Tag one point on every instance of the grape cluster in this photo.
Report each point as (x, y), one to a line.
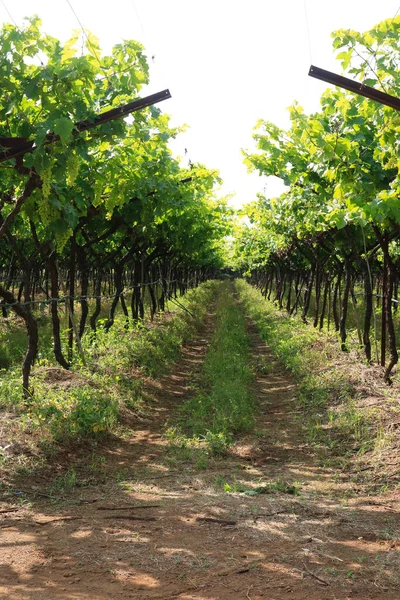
(72, 168)
(62, 239)
(48, 213)
(45, 176)
(97, 192)
(116, 197)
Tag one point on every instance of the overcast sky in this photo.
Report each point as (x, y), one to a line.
(227, 63)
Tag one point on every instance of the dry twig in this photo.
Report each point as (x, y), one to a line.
(307, 570)
(128, 507)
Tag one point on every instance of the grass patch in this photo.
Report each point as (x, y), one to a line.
(149, 347)
(278, 486)
(223, 404)
(62, 484)
(326, 393)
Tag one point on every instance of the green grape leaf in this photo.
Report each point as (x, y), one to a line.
(63, 127)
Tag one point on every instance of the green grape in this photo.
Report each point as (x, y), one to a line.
(45, 176)
(44, 211)
(116, 197)
(62, 239)
(72, 168)
(110, 200)
(47, 211)
(97, 192)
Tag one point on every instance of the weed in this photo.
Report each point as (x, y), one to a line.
(97, 464)
(63, 483)
(219, 482)
(124, 478)
(217, 443)
(201, 462)
(10, 390)
(361, 559)
(279, 486)
(200, 562)
(383, 439)
(272, 487)
(235, 487)
(262, 367)
(23, 500)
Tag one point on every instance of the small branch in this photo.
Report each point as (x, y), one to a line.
(307, 570)
(131, 518)
(131, 507)
(211, 520)
(30, 186)
(49, 521)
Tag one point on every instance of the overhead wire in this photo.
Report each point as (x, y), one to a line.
(9, 14)
(395, 15)
(308, 29)
(66, 297)
(136, 11)
(85, 34)
(150, 49)
(158, 70)
(17, 27)
(374, 57)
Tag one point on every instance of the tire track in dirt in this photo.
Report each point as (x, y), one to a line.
(194, 541)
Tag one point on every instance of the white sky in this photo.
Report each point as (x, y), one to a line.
(227, 63)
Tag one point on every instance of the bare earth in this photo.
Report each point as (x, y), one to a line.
(144, 523)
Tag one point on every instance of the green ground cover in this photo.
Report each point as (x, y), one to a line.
(88, 400)
(223, 404)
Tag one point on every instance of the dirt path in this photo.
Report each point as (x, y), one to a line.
(157, 526)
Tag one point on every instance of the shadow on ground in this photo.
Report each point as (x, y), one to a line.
(140, 522)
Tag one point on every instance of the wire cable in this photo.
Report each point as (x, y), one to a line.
(308, 30)
(9, 14)
(66, 297)
(395, 15)
(18, 28)
(86, 36)
(136, 11)
(156, 70)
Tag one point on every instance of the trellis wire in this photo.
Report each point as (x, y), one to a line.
(66, 297)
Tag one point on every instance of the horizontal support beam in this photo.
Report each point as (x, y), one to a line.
(355, 86)
(123, 111)
(110, 115)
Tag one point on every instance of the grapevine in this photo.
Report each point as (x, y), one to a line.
(330, 243)
(135, 208)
